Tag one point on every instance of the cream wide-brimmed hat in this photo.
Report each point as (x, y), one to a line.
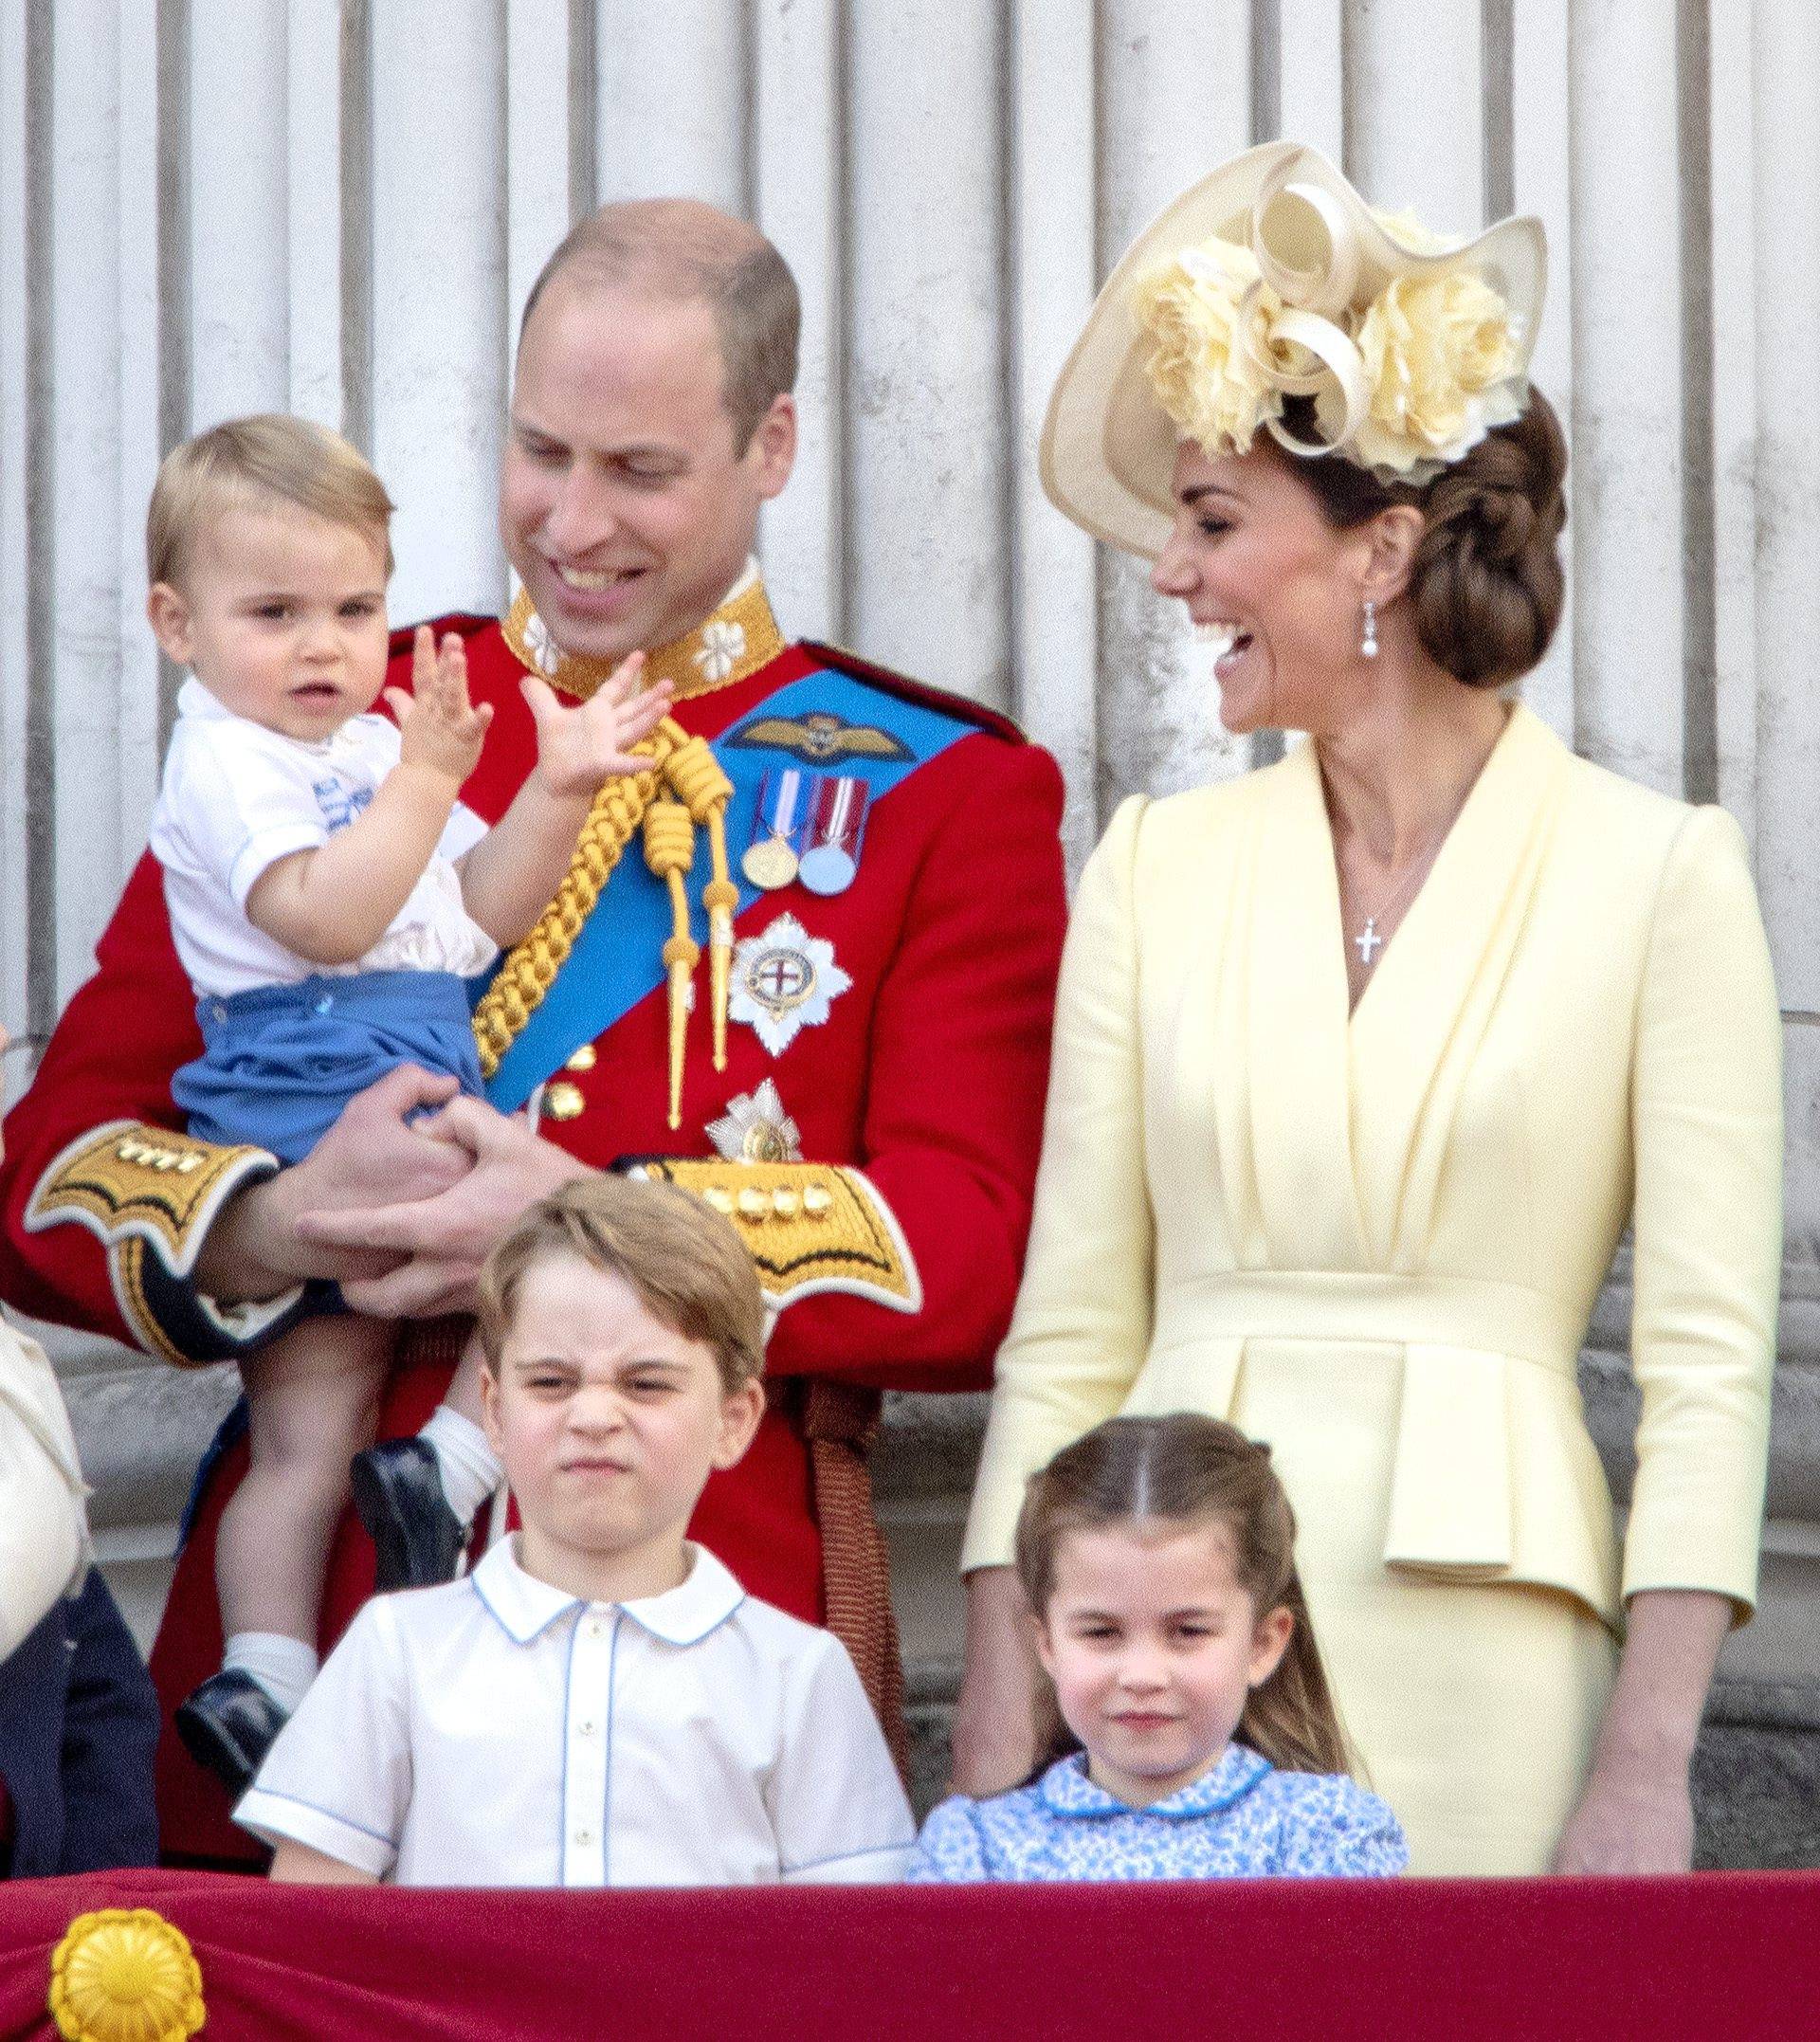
(1269, 279)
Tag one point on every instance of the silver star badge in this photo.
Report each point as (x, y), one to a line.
(784, 980)
(756, 1129)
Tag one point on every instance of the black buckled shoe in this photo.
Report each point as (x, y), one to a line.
(398, 1494)
(228, 1726)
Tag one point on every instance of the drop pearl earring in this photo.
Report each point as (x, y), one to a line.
(1368, 635)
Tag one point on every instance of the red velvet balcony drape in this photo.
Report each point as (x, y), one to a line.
(1716, 1958)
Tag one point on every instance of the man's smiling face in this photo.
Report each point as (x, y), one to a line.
(625, 507)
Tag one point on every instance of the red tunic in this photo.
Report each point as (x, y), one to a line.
(929, 1073)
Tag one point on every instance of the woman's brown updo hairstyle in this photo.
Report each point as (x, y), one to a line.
(1486, 586)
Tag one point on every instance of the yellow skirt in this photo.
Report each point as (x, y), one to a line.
(1473, 1707)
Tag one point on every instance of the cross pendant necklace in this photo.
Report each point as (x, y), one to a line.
(1368, 942)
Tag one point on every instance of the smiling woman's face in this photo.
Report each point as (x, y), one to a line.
(1254, 559)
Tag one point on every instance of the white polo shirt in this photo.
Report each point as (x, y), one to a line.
(498, 1732)
(237, 797)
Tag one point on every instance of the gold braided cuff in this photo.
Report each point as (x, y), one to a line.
(150, 1197)
(809, 1228)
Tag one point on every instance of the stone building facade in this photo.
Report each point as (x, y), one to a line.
(216, 206)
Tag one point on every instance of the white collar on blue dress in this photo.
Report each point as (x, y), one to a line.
(1066, 1790)
(525, 1608)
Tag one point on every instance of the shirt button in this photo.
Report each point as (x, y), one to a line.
(595, 1628)
(585, 1729)
(584, 1838)
(323, 1002)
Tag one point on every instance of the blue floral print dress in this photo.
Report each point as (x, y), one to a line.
(1241, 1820)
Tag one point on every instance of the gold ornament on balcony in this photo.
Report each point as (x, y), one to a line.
(125, 1975)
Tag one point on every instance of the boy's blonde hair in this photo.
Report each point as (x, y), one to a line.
(689, 1268)
(254, 463)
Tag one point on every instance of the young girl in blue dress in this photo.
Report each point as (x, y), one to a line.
(1157, 1556)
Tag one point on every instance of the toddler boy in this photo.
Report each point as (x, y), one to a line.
(599, 1703)
(330, 897)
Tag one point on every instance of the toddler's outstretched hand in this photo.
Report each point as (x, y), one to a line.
(438, 726)
(579, 748)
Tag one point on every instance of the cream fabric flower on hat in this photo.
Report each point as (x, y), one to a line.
(1439, 358)
(1210, 313)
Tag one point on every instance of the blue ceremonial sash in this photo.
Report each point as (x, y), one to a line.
(617, 959)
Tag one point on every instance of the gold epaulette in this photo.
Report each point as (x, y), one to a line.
(808, 1227)
(129, 1181)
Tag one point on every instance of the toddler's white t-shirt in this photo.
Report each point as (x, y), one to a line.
(236, 797)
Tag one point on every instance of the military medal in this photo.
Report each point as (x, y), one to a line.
(770, 861)
(756, 1129)
(838, 821)
(783, 980)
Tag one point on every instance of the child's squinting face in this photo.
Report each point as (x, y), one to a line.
(608, 1423)
(1154, 1647)
(281, 617)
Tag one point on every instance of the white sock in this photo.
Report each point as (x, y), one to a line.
(283, 1667)
(469, 1468)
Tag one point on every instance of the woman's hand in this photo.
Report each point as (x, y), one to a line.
(433, 1247)
(1636, 1814)
(994, 1731)
(1631, 1819)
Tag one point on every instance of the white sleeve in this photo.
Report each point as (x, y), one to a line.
(340, 1777)
(232, 807)
(836, 1803)
(464, 829)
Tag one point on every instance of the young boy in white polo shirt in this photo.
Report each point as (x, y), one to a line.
(599, 1703)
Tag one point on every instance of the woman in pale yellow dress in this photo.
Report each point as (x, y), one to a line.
(1364, 1062)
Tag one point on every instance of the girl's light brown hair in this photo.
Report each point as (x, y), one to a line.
(1187, 1470)
(252, 463)
(689, 1265)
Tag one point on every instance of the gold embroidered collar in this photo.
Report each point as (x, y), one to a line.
(740, 637)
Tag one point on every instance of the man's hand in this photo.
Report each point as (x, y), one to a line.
(434, 1245)
(438, 726)
(579, 747)
(372, 1152)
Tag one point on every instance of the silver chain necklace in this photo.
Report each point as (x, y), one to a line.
(1368, 942)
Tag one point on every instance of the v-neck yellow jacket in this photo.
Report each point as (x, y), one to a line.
(1574, 1030)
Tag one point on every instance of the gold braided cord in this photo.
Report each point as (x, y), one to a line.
(531, 968)
(687, 767)
(697, 776)
(669, 851)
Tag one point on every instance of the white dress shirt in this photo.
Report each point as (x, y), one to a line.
(237, 797)
(498, 1732)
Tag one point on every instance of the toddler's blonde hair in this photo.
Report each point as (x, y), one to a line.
(253, 463)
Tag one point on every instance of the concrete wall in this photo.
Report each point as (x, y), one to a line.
(209, 206)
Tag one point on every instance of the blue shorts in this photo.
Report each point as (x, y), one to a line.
(279, 1062)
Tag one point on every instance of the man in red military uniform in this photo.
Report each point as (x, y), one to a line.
(854, 1068)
